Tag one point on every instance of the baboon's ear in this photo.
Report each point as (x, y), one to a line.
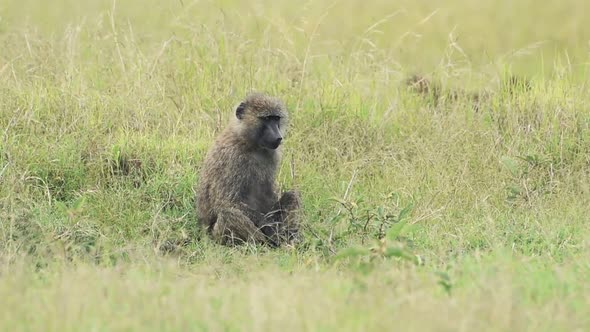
(240, 111)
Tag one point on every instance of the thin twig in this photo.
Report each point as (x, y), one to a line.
(4, 169)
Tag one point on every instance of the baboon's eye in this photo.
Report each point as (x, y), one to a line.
(272, 118)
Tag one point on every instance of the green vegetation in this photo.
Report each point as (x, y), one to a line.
(421, 213)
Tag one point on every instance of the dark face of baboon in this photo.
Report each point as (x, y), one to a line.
(269, 133)
(262, 121)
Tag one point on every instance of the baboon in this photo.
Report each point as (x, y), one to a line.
(422, 86)
(237, 200)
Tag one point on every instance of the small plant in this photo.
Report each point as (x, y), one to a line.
(531, 176)
(389, 241)
(444, 281)
(368, 221)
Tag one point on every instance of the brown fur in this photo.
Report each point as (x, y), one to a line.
(425, 87)
(236, 197)
(422, 86)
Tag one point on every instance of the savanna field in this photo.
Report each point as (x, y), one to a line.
(461, 204)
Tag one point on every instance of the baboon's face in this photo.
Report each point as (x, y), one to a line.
(262, 126)
(269, 131)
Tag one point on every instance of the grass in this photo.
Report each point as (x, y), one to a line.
(420, 214)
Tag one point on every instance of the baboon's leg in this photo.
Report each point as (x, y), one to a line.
(290, 201)
(234, 227)
(282, 222)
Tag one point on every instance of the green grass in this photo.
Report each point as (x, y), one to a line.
(107, 110)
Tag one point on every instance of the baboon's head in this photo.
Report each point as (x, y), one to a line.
(262, 120)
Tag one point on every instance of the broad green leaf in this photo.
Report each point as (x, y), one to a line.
(405, 211)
